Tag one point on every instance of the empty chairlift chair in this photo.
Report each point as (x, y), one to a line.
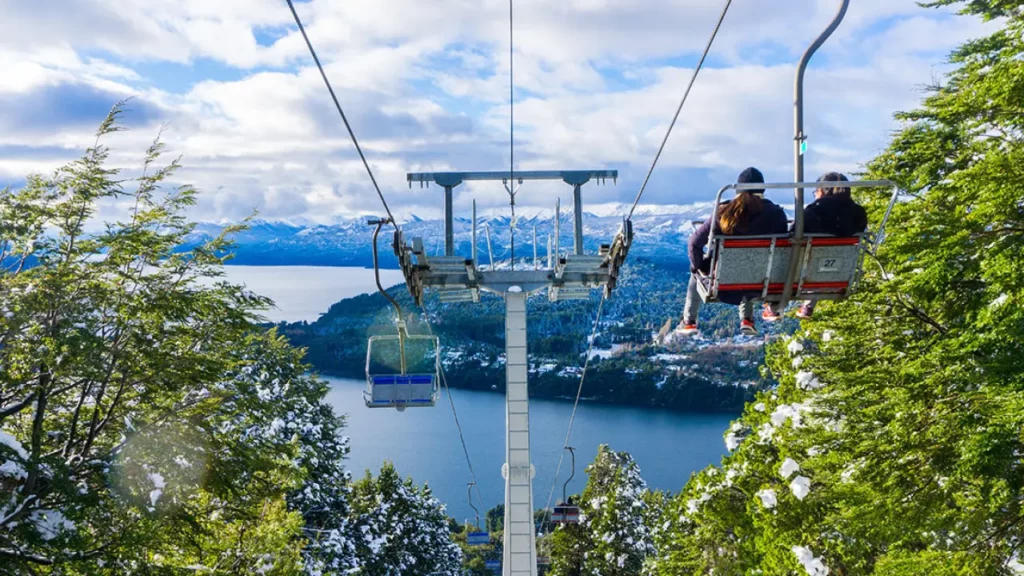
(402, 371)
(826, 267)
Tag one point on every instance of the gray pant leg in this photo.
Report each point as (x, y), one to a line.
(746, 309)
(693, 301)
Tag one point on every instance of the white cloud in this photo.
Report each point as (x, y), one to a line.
(425, 87)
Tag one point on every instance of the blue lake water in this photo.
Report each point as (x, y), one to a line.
(424, 442)
(306, 292)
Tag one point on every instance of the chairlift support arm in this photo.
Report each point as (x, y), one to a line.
(449, 180)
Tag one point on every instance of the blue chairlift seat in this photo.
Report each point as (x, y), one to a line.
(388, 385)
(478, 538)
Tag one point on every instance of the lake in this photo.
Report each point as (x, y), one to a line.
(424, 443)
(306, 292)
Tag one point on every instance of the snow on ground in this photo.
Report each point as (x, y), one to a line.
(605, 354)
(670, 358)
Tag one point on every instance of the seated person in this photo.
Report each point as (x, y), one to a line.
(748, 214)
(833, 212)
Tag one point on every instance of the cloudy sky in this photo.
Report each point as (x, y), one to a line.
(425, 85)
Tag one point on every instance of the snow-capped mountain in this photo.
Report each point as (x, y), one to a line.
(658, 234)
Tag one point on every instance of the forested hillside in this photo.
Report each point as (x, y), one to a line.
(717, 373)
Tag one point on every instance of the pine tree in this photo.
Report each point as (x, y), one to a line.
(613, 537)
(400, 529)
(893, 443)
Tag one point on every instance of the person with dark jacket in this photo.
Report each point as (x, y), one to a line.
(833, 212)
(748, 214)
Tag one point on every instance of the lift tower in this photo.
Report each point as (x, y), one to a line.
(458, 278)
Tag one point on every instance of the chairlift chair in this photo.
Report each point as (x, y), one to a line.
(566, 512)
(479, 538)
(402, 370)
(816, 267)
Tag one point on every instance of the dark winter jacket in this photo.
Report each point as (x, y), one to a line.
(771, 220)
(837, 215)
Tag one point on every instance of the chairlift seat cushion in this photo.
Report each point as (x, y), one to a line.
(741, 265)
(402, 390)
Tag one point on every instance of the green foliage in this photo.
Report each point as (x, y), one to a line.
(894, 440)
(613, 537)
(147, 424)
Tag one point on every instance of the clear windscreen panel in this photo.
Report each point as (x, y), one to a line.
(420, 355)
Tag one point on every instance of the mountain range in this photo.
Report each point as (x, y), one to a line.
(659, 234)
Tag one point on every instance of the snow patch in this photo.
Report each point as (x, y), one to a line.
(50, 523)
(814, 566)
(760, 407)
(795, 347)
(807, 381)
(158, 487)
(12, 469)
(801, 487)
(9, 441)
(768, 498)
(789, 466)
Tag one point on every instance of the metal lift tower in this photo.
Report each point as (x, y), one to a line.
(566, 277)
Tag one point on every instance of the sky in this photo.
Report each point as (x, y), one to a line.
(231, 88)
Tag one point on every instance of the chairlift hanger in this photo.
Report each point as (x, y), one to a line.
(480, 537)
(404, 387)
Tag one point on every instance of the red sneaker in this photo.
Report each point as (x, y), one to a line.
(768, 314)
(747, 328)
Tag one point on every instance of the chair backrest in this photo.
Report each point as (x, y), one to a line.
(757, 267)
(387, 386)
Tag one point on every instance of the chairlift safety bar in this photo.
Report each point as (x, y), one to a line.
(814, 186)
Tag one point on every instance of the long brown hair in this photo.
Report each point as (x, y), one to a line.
(738, 212)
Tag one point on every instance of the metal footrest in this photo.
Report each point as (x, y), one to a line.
(451, 264)
(585, 263)
(559, 294)
(465, 295)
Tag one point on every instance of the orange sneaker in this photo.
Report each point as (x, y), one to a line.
(687, 330)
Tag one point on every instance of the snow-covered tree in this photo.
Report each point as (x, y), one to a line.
(613, 537)
(400, 528)
(146, 423)
(893, 444)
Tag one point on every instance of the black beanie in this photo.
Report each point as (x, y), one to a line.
(751, 176)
